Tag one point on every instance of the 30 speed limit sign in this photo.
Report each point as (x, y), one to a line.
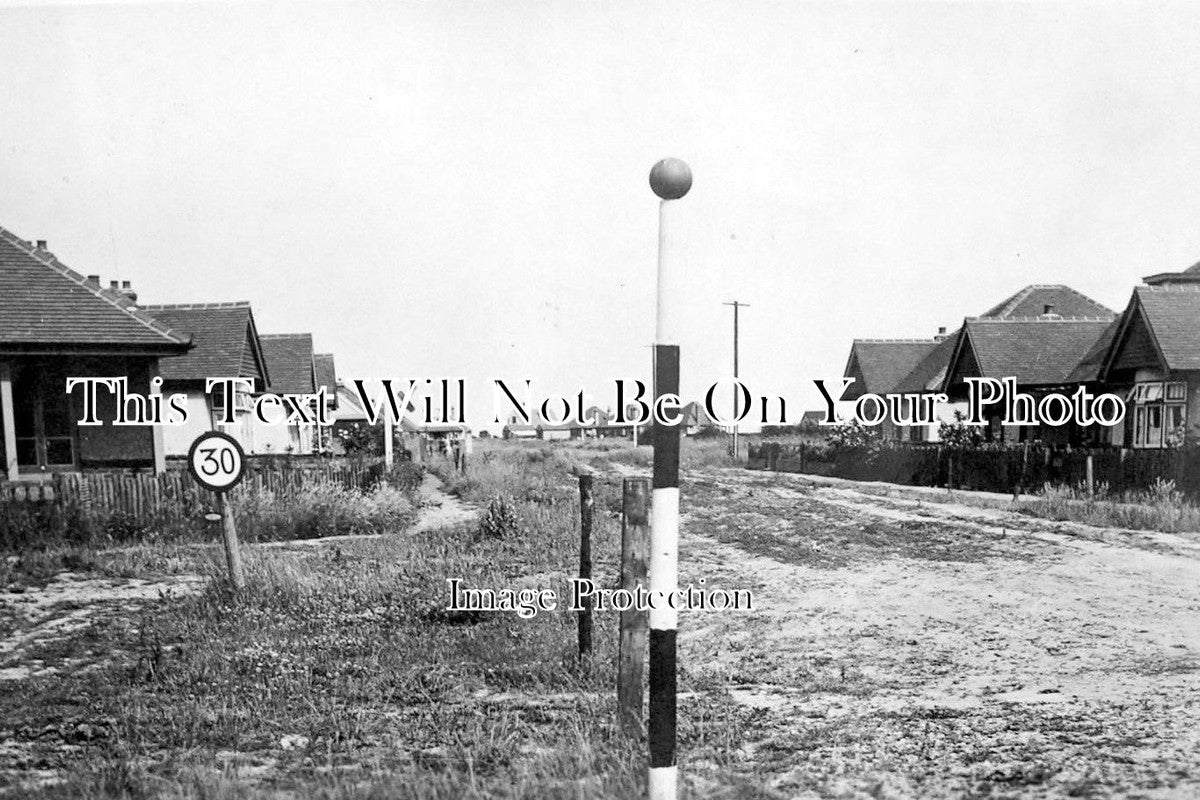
(217, 461)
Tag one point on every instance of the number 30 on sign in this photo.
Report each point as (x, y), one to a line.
(216, 461)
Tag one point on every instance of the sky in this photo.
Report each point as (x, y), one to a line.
(460, 189)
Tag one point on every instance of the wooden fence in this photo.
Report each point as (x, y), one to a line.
(989, 468)
(175, 495)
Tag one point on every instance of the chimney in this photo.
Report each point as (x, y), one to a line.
(41, 244)
(941, 330)
(114, 285)
(1048, 311)
(93, 281)
(127, 290)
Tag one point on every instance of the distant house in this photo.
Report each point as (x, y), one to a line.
(878, 366)
(536, 428)
(696, 420)
(921, 366)
(56, 324)
(325, 371)
(226, 344)
(1154, 361)
(290, 363)
(540, 428)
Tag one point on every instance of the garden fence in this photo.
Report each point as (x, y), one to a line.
(174, 495)
(989, 468)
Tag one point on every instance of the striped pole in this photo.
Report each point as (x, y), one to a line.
(670, 179)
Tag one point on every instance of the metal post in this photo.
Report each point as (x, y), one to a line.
(670, 179)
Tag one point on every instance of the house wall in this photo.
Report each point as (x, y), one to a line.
(293, 439)
(108, 444)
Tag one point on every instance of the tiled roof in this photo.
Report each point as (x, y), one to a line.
(1035, 351)
(1173, 313)
(348, 406)
(930, 371)
(290, 360)
(45, 303)
(326, 372)
(1090, 366)
(884, 363)
(222, 334)
(694, 414)
(1191, 275)
(1032, 301)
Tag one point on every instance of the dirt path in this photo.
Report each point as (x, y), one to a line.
(439, 509)
(38, 618)
(914, 649)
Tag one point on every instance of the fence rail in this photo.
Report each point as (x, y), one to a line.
(174, 495)
(993, 469)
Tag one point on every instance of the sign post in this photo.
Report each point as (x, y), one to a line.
(217, 462)
(670, 179)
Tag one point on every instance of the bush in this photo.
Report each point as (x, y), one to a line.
(325, 509)
(500, 519)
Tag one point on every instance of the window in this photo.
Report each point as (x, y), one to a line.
(1159, 414)
(42, 419)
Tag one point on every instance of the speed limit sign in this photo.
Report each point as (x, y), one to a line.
(216, 461)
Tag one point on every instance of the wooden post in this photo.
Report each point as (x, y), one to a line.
(586, 504)
(1091, 483)
(7, 420)
(232, 554)
(635, 551)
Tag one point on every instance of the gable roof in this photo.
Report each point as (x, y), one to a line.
(289, 357)
(1091, 366)
(1036, 351)
(884, 363)
(225, 339)
(43, 302)
(326, 372)
(348, 406)
(1032, 301)
(1172, 313)
(930, 371)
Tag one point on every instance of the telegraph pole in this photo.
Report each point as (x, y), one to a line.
(736, 305)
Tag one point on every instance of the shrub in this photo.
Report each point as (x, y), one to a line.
(500, 519)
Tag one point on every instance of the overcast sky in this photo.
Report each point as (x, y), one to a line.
(460, 189)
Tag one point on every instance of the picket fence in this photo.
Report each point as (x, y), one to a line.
(175, 495)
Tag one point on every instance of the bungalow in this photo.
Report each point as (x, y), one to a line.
(226, 344)
(326, 376)
(878, 366)
(696, 420)
(1154, 360)
(289, 358)
(56, 324)
(1043, 354)
(920, 366)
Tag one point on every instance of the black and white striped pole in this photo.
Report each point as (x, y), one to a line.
(670, 179)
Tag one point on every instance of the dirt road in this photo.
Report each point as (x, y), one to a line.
(908, 648)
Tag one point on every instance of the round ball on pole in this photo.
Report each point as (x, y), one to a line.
(670, 179)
